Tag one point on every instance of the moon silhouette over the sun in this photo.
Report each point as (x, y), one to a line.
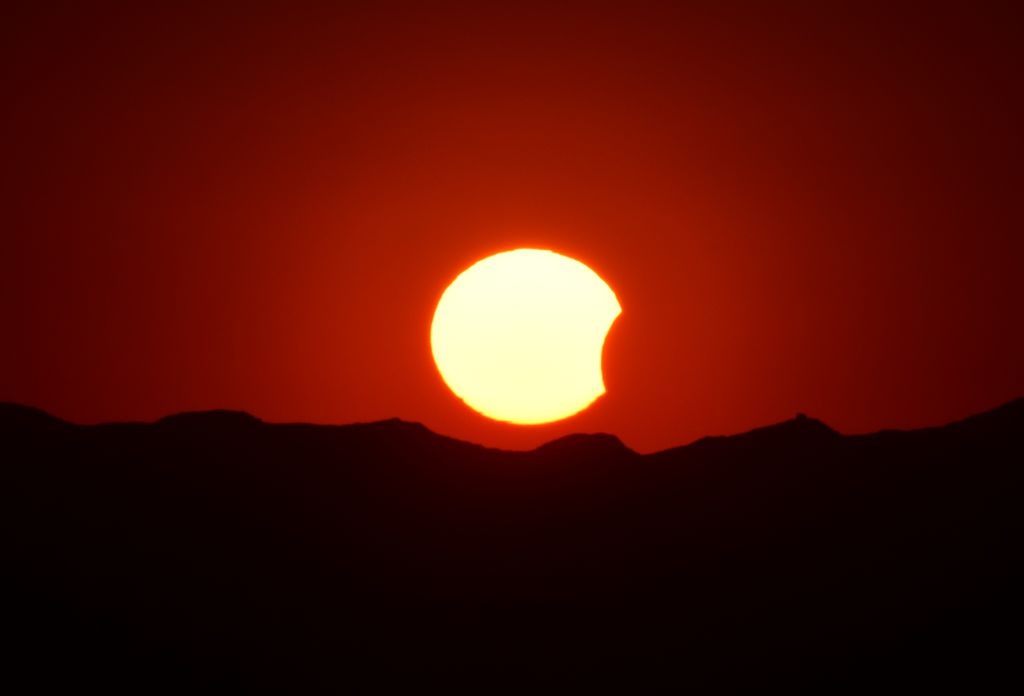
(518, 336)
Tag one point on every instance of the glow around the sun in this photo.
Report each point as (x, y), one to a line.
(518, 336)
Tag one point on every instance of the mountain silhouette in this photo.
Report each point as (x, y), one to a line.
(214, 549)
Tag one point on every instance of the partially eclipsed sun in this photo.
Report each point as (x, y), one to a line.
(518, 336)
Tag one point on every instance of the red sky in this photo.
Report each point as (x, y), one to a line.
(811, 209)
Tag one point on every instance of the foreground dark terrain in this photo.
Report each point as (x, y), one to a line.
(213, 548)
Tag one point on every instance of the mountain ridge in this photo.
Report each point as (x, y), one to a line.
(13, 413)
(217, 548)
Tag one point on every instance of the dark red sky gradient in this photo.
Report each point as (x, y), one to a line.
(811, 209)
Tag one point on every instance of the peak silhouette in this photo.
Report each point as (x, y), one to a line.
(215, 548)
(586, 445)
(209, 420)
(799, 428)
(27, 418)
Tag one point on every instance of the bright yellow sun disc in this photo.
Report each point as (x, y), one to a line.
(518, 336)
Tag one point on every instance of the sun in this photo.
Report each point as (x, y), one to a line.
(518, 336)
